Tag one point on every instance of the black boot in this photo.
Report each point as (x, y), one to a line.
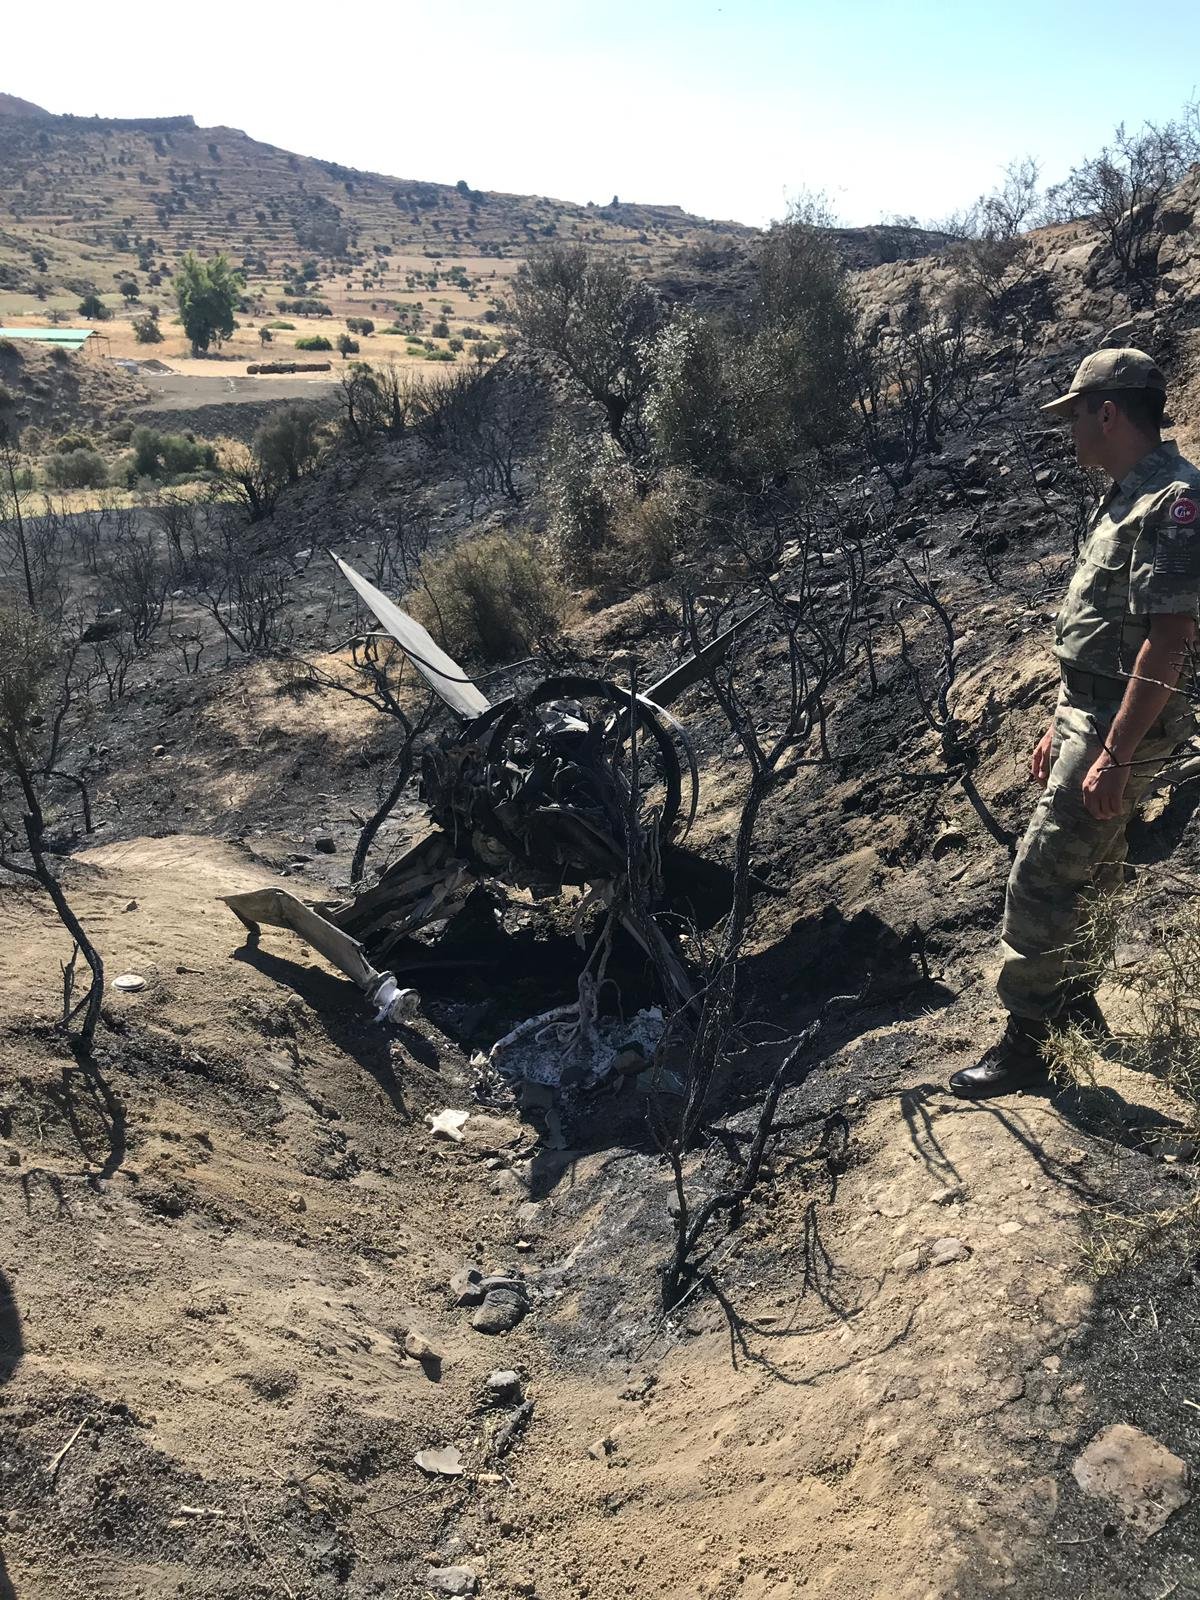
(1013, 1063)
(1082, 1010)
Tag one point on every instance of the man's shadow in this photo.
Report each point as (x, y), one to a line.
(12, 1348)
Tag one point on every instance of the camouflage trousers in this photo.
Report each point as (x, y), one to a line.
(1068, 857)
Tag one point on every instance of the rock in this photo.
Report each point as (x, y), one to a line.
(602, 1449)
(418, 1347)
(132, 906)
(325, 844)
(501, 1310)
(159, 750)
(943, 1251)
(447, 1124)
(443, 1463)
(504, 1385)
(12, 1158)
(948, 1196)
(1010, 1227)
(451, 1580)
(297, 1202)
(910, 1261)
(466, 1285)
(1137, 1476)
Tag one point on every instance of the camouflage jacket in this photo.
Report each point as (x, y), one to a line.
(1140, 558)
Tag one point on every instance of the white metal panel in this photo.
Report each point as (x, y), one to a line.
(441, 671)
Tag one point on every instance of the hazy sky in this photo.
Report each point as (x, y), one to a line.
(725, 109)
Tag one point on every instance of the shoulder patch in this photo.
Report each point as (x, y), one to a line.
(1177, 547)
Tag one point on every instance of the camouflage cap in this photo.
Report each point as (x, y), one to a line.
(1111, 369)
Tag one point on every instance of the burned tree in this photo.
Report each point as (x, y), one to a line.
(959, 742)
(38, 790)
(376, 679)
(812, 623)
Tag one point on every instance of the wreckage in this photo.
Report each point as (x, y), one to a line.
(579, 781)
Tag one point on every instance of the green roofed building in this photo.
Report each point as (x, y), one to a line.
(60, 338)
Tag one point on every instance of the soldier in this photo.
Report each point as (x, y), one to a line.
(1123, 636)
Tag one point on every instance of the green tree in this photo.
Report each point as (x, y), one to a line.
(146, 330)
(94, 309)
(287, 444)
(208, 294)
(596, 317)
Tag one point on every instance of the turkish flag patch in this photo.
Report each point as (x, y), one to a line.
(1184, 511)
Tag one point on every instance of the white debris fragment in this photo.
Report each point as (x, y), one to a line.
(447, 1124)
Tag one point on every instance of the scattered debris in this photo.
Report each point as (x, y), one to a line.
(550, 1049)
(56, 1460)
(447, 1124)
(279, 909)
(511, 1429)
(1143, 1482)
(445, 1462)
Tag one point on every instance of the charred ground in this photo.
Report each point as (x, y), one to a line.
(220, 1232)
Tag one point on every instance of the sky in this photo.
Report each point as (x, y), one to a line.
(728, 110)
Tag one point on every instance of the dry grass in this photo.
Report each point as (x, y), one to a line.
(492, 597)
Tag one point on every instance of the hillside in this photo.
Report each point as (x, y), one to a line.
(98, 199)
(243, 1256)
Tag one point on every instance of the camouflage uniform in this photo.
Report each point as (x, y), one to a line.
(1141, 557)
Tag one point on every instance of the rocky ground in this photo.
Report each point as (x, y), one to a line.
(249, 1339)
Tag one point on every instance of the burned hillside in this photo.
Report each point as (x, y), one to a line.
(701, 1284)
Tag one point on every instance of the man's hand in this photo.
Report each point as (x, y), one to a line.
(1039, 766)
(1104, 788)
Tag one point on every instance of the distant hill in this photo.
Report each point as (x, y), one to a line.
(11, 106)
(120, 192)
(86, 201)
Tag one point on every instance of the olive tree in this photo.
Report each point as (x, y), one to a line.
(591, 313)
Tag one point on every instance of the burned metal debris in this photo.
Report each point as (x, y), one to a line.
(580, 781)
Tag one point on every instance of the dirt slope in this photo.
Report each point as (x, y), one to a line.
(217, 1296)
